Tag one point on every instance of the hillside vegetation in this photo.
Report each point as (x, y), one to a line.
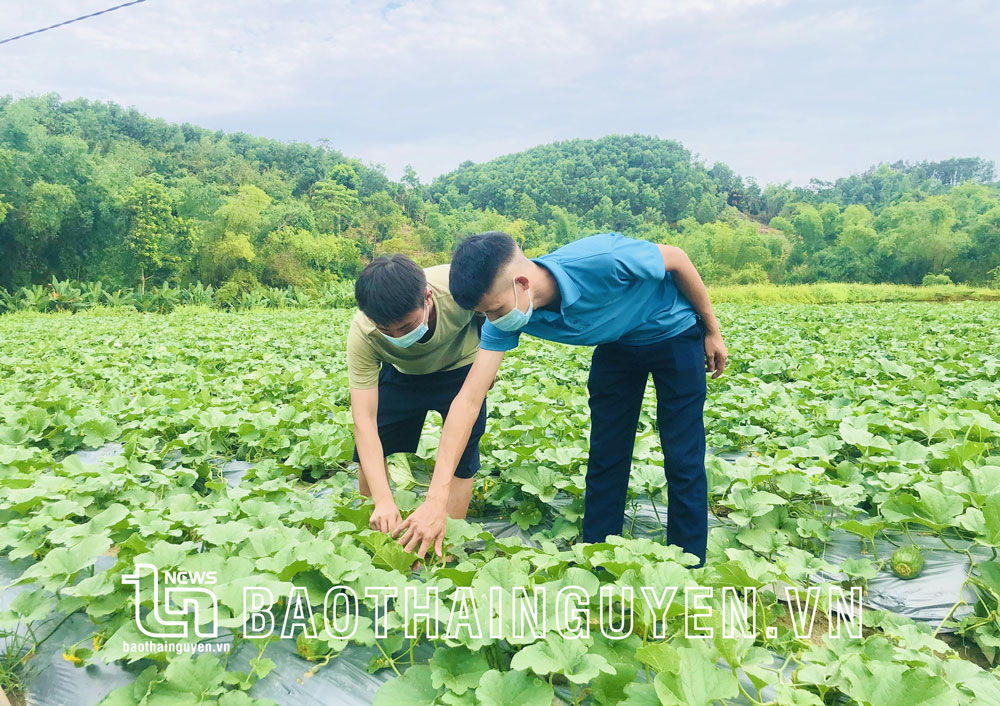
(94, 191)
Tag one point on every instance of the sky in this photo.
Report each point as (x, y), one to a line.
(780, 90)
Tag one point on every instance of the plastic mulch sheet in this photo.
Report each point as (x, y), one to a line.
(930, 595)
(51, 680)
(345, 681)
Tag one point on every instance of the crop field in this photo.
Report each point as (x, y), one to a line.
(854, 449)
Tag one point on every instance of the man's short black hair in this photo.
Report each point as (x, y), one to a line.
(390, 288)
(475, 265)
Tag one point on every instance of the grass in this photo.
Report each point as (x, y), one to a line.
(818, 293)
(16, 651)
(845, 292)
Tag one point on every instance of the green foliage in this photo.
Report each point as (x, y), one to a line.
(95, 191)
(230, 295)
(334, 204)
(92, 191)
(753, 273)
(243, 290)
(848, 415)
(48, 206)
(157, 241)
(16, 650)
(935, 280)
(839, 293)
(608, 183)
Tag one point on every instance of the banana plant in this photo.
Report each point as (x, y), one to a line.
(119, 298)
(198, 294)
(33, 298)
(64, 296)
(252, 300)
(166, 297)
(93, 293)
(279, 298)
(300, 297)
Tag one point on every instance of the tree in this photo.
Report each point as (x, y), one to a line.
(335, 206)
(157, 240)
(527, 209)
(808, 225)
(293, 256)
(563, 227)
(243, 212)
(48, 206)
(410, 178)
(854, 215)
(380, 217)
(829, 213)
(920, 237)
(232, 253)
(985, 248)
(345, 175)
(774, 199)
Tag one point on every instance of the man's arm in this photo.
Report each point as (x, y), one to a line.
(364, 410)
(426, 526)
(689, 283)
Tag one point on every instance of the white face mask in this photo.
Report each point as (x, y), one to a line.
(515, 318)
(408, 339)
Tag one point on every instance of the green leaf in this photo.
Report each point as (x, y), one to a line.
(194, 675)
(387, 553)
(414, 688)
(559, 655)
(659, 656)
(32, 605)
(63, 562)
(225, 533)
(640, 694)
(910, 452)
(887, 684)
(457, 668)
(698, 682)
(514, 688)
(991, 518)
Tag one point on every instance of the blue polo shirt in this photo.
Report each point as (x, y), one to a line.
(613, 288)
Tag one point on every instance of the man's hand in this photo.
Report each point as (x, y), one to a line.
(425, 527)
(715, 354)
(676, 261)
(385, 517)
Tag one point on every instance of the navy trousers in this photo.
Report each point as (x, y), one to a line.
(617, 383)
(403, 403)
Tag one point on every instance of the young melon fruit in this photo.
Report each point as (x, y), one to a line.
(907, 561)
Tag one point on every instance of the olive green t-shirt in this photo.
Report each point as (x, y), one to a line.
(453, 344)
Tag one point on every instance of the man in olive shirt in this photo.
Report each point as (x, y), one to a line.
(409, 349)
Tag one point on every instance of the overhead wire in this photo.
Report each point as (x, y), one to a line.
(75, 19)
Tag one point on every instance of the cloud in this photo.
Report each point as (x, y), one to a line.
(779, 89)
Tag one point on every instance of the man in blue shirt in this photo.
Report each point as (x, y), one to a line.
(645, 309)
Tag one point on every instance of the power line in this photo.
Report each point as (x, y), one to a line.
(75, 19)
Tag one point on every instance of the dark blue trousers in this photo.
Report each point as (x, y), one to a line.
(617, 383)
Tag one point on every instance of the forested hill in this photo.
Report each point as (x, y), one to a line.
(616, 180)
(95, 191)
(625, 181)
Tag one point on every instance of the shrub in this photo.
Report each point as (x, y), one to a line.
(228, 296)
(750, 274)
(934, 280)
